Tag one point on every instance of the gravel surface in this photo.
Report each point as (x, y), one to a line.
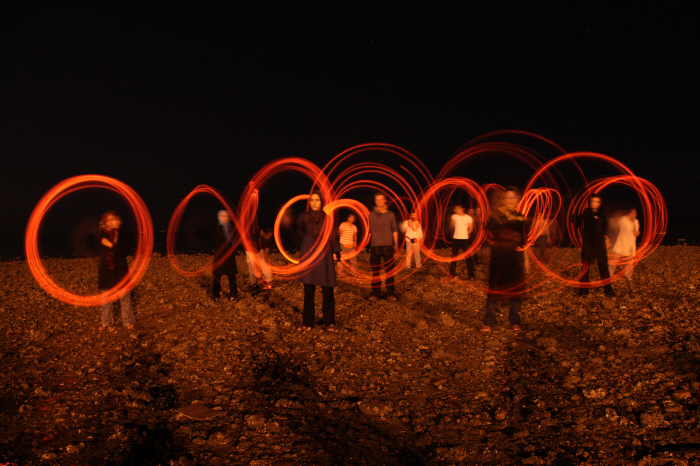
(588, 381)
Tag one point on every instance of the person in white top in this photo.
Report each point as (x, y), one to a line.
(625, 244)
(414, 233)
(348, 242)
(462, 225)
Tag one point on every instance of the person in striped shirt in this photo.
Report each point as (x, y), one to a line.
(348, 243)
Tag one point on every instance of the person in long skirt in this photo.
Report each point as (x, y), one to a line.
(507, 270)
(114, 247)
(223, 238)
(625, 245)
(322, 273)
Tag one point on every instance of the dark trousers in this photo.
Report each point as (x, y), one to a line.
(463, 244)
(513, 315)
(600, 255)
(216, 286)
(377, 256)
(328, 306)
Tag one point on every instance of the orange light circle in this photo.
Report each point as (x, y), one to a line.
(144, 244)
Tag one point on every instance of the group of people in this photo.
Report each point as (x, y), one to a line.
(506, 272)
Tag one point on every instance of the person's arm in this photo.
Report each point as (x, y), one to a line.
(395, 232)
(470, 228)
(121, 245)
(354, 238)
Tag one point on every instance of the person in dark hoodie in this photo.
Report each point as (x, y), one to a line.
(114, 247)
(223, 238)
(322, 272)
(595, 244)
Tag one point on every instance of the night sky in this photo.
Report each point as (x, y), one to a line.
(168, 98)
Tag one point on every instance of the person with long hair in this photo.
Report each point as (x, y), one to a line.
(507, 270)
(223, 239)
(322, 273)
(594, 245)
(114, 247)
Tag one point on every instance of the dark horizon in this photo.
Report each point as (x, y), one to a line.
(167, 99)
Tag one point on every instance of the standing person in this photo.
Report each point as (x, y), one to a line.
(594, 244)
(114, 247)
(384, 245)
(223, 239)
(625, 245)
(322, 273)
(348, 242)
(414, 233)
(259, 271)
(507, 270)
(475, 214)
(462, 226)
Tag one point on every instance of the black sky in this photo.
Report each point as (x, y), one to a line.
(166, 98)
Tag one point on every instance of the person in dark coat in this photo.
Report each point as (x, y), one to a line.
(114, 246)
(223, 238)
(322, 272)
(594, 244)
(507, 270)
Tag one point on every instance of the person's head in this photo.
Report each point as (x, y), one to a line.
(413, 216)
(633, 213)
(459, 208)
(224, 217)
(266, 233)
(315, 201)
(351, 218)
(511, 197)
(594, 202)
(380, 199)
(471, 212)
(110, 220)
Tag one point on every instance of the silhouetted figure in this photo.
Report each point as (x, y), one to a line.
(594, 244)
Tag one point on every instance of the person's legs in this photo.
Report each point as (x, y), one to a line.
(375, 261)
(127, 310)
(233, 289)
(328, 305)
(253, 267)
(602, 258)
(489, 315)
(455, 252)
(309, 313)
(409, 253)
(216, 286)
(514, 314)
(107, 315)
(416, 252)
(586, 261)
(266, 270)
(388, 259)
(470, 267)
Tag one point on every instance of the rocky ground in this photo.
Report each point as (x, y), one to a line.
(588, 380)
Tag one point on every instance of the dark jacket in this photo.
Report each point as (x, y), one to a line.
(507, 269)
(594, 227)
(221, 247)
(322, 273)
(107, 278)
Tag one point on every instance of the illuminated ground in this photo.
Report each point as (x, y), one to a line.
(593, 380)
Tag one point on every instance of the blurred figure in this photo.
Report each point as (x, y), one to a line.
(546, 239)
(114, 247)
(414, 233)
(461, 226)
(624, 246)
(384, 245)
(475, 214)
(322, 273)
(223, 239)
(594, 244)
(258, 259)
(348, 243)
(507, 270)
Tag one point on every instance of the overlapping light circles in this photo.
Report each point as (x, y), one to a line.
(144, 244)
(175, 223)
